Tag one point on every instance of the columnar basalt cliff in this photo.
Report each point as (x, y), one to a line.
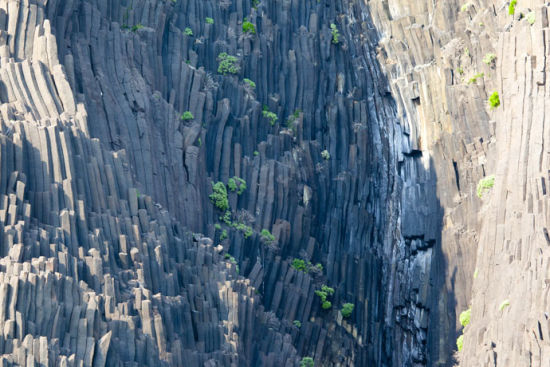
(209, 182)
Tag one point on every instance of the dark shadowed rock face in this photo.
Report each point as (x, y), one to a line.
(336, 128)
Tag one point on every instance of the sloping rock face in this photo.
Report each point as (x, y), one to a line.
(348, 136)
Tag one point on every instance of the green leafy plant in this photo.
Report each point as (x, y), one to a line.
(464, 317)
(325, 155)
(504, 304)
(187, 115)
(530, 17)
(188, 32)
(460, 342)
(224, 235)
(226, 218)
(219, 196)
(272, 117)
(299, 265)
(335, 33)
(465, 7)
(236, 184)
(250, 83)
(209, 20)
(494, 100)
(460, 70)
(489, 58)
(475, 78)
(297, 323)
(255, 3)
(248, 27)
(266, 236)
(512, 7)
(256, 153)
(137, 27)
(323, 293)
(306, 362)
(485, 184)
(347, 309)
(227, 64)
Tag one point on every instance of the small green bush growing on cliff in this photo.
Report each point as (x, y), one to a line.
(475, 78)
(485, 184)
(504, 304)
(267, 237)
(299, 265)
(250, 83)
(306, 362)
(512, 7)
(494, 100)
(187, 115)
(209, 20)
(188, 32)
(347, 309)
(272, 117)
(224, 235)
(464, 317)
(460, 342)
(219, 196)
(323, 293)
(531, 17)
(489, 58)
(297, 323)
(227, 64)
(137, 27)
(248, 27)
(325, 155)
(335, 33)
(465, 7)
(236, 184)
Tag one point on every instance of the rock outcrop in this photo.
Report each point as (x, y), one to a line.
(208, 182)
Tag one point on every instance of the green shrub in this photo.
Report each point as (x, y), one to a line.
(465, 7)
(232, 185)
(489, 58)
(224, 235)
(475, 78)
(187, 115)
(530, 17)
(512, 7)
(256, 153)
(250, 83)
(464, 317)
(246, 230)
(299, 265)
(188, 32)
(272, 117)
(219, 196)
(323, 293)
(297, 323)
(137, 27)
(248, 27)
(227, 64)
(460, 342)
(226, 218)
(335, 33)
(347, 309)
(255, 3)
(325, 155)
(267, 237)
(504, 304)
(460, 70)
(494, 100)
(209, 20)
(306, 362)
(485, 184)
